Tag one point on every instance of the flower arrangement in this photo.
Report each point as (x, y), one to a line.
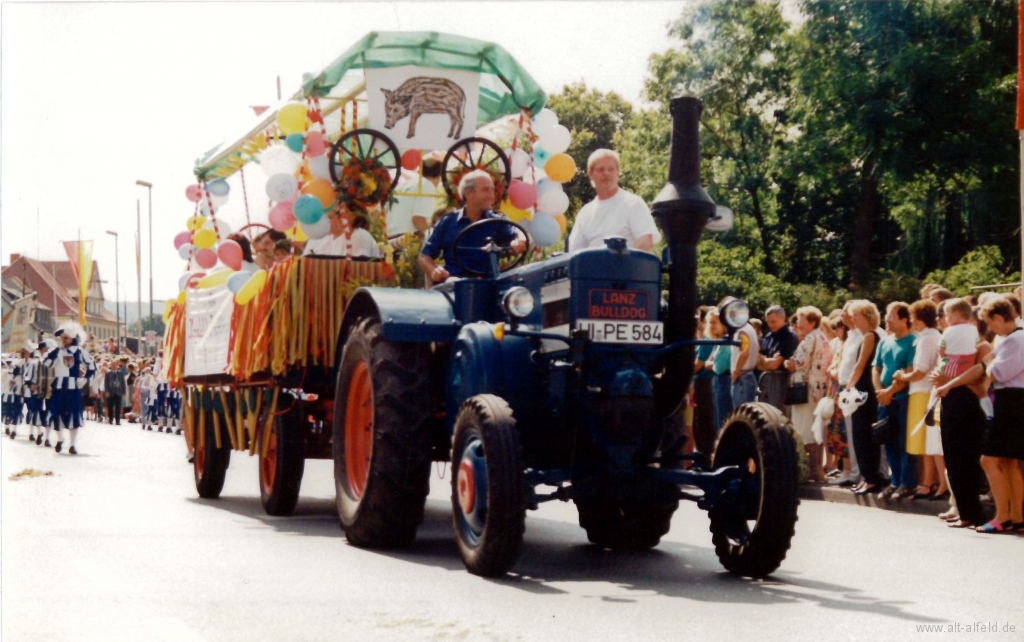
(364, 183)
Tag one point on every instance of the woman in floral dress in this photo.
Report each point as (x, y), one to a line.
(810, 364)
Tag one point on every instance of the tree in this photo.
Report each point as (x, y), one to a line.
(154, 322)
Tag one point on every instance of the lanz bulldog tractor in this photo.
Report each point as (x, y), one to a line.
(564, 374)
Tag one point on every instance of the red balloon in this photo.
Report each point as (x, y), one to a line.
(281, 217)
(205, 259)
(522, 195)
(230, 254)
(315, 145)
(181, 238)
(411, 159)
(193, 193)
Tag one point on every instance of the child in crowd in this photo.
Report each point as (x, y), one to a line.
(959, 345)
(282, 250)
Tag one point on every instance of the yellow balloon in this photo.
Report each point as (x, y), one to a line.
(196, 222)
(168, 304)
(251, 287)
(514, 213)
(220, 277)
(292, 118)
(560, 168)
(296, 234)
(204, 239)
(562, 223)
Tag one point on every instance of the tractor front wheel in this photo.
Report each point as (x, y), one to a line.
(488, 488)
(753, 532)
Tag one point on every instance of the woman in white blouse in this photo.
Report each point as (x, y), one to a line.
(810, 365)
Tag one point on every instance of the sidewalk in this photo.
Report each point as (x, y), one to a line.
(835, 495)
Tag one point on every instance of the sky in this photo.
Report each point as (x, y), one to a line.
(98, 95)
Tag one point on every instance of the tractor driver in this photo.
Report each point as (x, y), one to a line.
(476, 190)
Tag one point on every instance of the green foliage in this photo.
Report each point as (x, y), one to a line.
(154, 322)
(983, 266)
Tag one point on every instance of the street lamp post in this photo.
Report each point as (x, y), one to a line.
(149, 189)
(117, 281)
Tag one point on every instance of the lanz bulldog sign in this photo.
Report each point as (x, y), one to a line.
(421, 107)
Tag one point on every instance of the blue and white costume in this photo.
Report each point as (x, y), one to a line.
(73, 368)
(32, 391)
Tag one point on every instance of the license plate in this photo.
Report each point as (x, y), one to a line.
(642, 332)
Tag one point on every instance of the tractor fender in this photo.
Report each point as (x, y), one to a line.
(417, 316)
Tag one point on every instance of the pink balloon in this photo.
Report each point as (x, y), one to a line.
(181, 238)
(281, 217)
(230, 254)
(522, 195)
(193, 193)
(315, 145)
(206, 258)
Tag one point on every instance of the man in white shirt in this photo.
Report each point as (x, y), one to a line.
(743, 362)
(413, 213)
(615, 212)
(335, 243)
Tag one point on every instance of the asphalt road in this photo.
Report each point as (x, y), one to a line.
(116, 545)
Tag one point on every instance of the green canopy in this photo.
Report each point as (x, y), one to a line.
(505, 87)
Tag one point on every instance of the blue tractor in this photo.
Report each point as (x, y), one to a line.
(559, 380)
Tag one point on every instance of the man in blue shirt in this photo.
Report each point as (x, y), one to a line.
(476, 189)
(895, 353)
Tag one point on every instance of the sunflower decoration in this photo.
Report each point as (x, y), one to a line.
(455, 177)
(364, 183)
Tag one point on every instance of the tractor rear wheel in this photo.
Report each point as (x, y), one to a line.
(382, 437)
(488, 488)
(753, 533)
(210, 464)
(282, 462)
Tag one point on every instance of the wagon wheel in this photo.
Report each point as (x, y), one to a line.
(252, 228)
(475, 153)
(360, 144)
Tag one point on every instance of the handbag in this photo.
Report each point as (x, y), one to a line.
(799, 392)
(884, 430)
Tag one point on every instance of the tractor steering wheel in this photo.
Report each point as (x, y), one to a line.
(491, 247)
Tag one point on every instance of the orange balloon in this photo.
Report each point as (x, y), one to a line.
(562, 223)
(321, 189)
(560, 168)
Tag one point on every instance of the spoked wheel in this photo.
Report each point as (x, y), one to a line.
(210, 464)
(282, 462)
(361, 144)
(752, 533)
(382, 437)
(476, 153)
(488, 489)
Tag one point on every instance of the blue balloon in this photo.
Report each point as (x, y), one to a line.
(545, 230)
(540, 156)
(237, 280)
(218, 187)
(544, 185)
(294, 142)
(308, 209)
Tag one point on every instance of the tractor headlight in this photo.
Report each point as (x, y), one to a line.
(734, 314)
(518, 303)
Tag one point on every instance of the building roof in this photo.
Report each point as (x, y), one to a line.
(57, 286)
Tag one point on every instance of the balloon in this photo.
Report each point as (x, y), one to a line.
(223, 228)
(546, 184)
(556, 139)
(193, 193)
(296, 234)
(204, 208)
(321, 189)
(218, 200)
(520, 162)
(560, 168)
(212, 280)
(251, 287)
(185, 251)
(294, 142)
(195, 223)
(562, 223)
(218, 187)
(545, 230)
(522, 195)
(553, 202)
(249, 266)
(237, 280)
(204, 239)
(278, 159)
(318, 167)
(412, 159)
(281, 217)
(230, 254)
(281, 187)
(206, 259)
(182, 238)
(308, 209)
(514, 213)
(315, 145)
(540, 156)
(317, 229)
(544, 121)
(291, 118)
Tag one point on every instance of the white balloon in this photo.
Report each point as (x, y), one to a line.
(184, 251)
(317, 230)
(520, 162)
(318, 167)
(553, 201)
(545, 230)
(218, 200)
(281, 187)
(278, 159)
(183, 279)
(543, 121)
(223, 228)
(546, 184)
(249, 266)
(556, 140)
(204, 208)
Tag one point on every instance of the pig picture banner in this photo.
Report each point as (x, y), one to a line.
(423, 107)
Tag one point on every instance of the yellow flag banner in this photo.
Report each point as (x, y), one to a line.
(80, 256)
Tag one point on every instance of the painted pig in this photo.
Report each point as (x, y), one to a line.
(422, 95)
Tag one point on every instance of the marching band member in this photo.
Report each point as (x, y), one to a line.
(30, 375)
(39, 418)
(17, 384)
(73, 368)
